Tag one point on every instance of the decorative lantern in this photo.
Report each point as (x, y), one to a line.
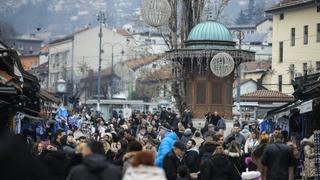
(222, 64)
(61, 86)
(156, 13)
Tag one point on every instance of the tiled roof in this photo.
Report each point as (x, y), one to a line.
(137, 63)
(286, 4)
(70, 36)
(266, 96)
(164, 73)
(134, 64)
(44, 49)
(122, 32)
(255, 38)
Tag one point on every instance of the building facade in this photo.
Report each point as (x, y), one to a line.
(296, 42)
(71, 57)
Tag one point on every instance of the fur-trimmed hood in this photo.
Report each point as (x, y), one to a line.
(129, 155)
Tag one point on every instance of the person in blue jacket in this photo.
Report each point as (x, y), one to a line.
(165, 147)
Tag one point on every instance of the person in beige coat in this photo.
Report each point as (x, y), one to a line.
(309, 168)
(143, 168)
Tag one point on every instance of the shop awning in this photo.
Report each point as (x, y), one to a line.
(46, 96)
(283, 110)
(303, 106)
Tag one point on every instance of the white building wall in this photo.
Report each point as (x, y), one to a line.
(56, 64)
(86, 49)
(245, 88)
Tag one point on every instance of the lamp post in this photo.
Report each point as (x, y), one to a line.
(240, 37)
(102, 20)
(112, 58)
(61, 88)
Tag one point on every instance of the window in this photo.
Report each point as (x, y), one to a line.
(281, 16)
(252, 32)
(318, 8)
(280, 52)
(318, 32)
(318, 66)
(201, 92)
(292, 72)
(280, 82)
(293, 36)
(305, 67)
(305, 35)
(216, 93)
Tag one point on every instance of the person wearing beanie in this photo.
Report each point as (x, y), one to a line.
(187, 135)
(173, 160)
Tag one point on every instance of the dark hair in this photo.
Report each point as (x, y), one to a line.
(63, 140)
(58, 133)
(197, 134)
(96, 147)
(134, 146)
(193, 142)
(183, 171)
(144, 158)
(123, 143)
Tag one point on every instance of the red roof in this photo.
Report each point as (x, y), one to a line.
(134, 64)
(162, 74)
(122, 32)
(266, 96)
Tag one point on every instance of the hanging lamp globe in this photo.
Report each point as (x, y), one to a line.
(222, 64)
(156, 13)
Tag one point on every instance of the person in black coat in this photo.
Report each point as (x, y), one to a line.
(173, 160)
(121, 146)
(215, 118)
(94, 166)
(191, 157)
(217, 168)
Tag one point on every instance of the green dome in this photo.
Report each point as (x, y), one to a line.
(209, 34)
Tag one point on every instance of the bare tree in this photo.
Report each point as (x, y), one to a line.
(218, 7)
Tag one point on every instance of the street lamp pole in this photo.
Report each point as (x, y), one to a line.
(240, 36)
(101, 19)
(112, 59)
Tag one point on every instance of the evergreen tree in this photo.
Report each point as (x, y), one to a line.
(242, 18)
(253, 14)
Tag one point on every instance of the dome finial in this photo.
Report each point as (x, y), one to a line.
(209, 11)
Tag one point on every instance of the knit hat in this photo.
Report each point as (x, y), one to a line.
(188, 132)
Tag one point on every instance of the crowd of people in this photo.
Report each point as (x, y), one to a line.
(163, 146)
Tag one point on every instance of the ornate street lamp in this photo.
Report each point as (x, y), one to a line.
(156, 13)
(222, 64)
(61, 88)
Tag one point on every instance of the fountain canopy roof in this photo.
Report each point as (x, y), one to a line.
(210, 35)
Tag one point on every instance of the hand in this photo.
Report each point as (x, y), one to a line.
(51, 148)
